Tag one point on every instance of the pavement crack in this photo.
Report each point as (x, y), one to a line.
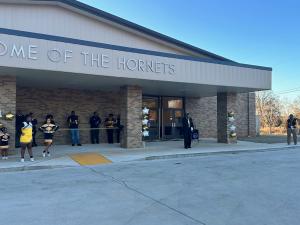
(123, 183)
(138, 213)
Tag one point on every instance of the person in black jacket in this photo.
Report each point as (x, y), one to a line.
(73, 121)
(120, 127)
(292, 129)
(95, 122)
(20, 118)
(188, 127)
(34, 129)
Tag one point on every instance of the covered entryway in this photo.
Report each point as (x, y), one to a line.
(107, 64)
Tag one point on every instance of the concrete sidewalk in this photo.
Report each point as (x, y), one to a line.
(60, 155)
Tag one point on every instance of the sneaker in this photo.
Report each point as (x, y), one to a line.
(73, 145)
(32, 159)
(44, 154)
(22, 160)
(3, 157)
(78, 144)
(6, 158)
(48, 154)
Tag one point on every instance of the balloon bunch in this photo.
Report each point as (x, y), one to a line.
(145, 122)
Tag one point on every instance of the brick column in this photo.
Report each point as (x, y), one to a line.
(8, 104)
(131, 116)
(252, 115)
(226, 102)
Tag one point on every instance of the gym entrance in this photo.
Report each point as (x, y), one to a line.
(165, 117)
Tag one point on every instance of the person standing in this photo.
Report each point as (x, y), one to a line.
(187, 124)
(73, 121)
(48, 128)
(292, 129)
(50, 116)
(20, 118)
(4, 136)
(34, 129)
(119, 127)
(110, 124)
(95, 122)
(26, 139)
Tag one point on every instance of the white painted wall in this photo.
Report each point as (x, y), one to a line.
(186, 71)
(56, 20)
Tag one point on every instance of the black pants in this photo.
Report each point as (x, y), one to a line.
(33, 138)
(118, 131)
(187, 135)
(110, 136)
(18, 136)
(95, 136)
(29, 149)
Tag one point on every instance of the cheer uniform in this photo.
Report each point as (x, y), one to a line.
(48, 130)
(4, 136)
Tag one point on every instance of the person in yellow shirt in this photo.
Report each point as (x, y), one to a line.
(26, 138)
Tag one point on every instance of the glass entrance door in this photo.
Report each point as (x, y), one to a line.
(152, 103)
(172, 115)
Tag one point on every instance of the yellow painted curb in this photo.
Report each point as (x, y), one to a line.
(90, 158)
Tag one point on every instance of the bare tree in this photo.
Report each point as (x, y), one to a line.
(268, 108)
(295, 107)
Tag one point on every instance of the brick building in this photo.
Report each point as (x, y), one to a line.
(62, 55)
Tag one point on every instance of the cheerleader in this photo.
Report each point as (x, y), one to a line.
(4, 136)
(49, 128)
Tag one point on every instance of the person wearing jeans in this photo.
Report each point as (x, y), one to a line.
(75, 136)
(73, 122)
(292, 129)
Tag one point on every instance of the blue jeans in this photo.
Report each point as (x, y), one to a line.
(75, 136)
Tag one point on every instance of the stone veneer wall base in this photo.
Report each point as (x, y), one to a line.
(8, 104)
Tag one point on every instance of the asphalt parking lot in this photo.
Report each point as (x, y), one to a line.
(239, 189)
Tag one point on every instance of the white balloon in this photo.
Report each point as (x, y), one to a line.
(145, 110)
(232, 128)
(145, 133)
(145, 122)
(231, 119)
